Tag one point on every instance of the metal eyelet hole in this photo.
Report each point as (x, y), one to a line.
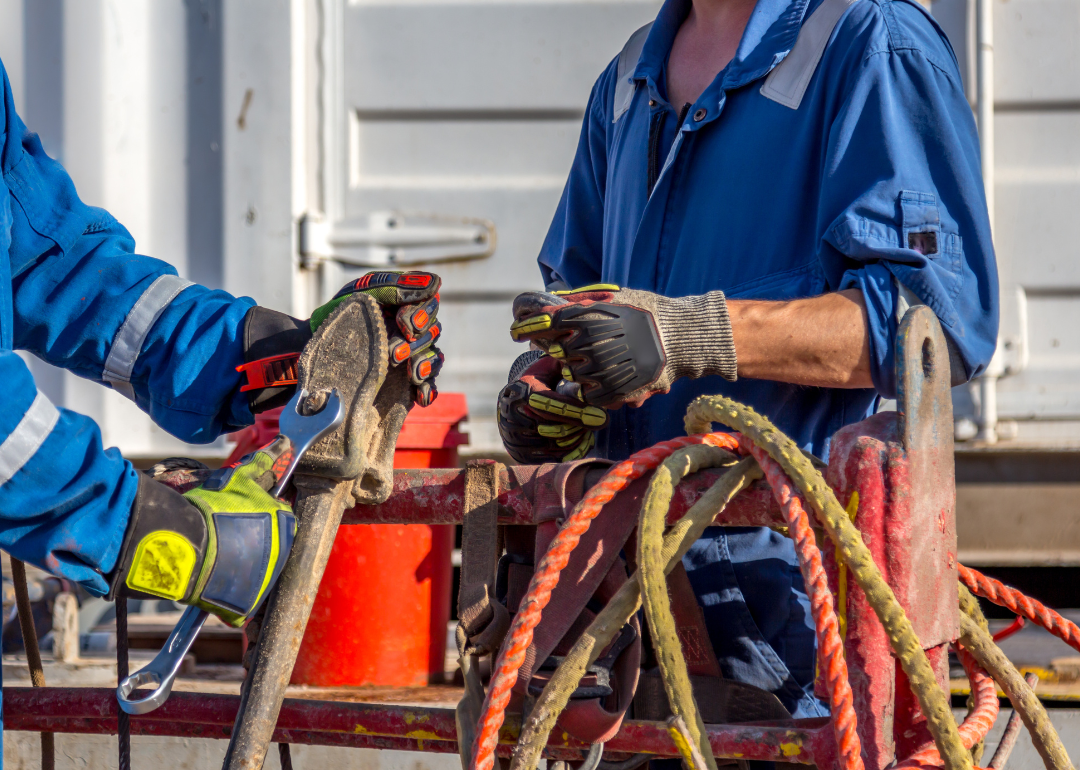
(700, 115)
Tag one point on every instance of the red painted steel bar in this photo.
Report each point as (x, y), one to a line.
(405, 728)
(435, 496)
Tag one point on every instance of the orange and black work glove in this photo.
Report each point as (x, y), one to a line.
(621, 346)
(410, 301)
(542, 418)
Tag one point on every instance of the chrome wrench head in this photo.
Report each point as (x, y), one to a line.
(302, 431)
(163, 668)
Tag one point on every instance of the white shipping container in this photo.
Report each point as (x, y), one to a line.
(276, 148)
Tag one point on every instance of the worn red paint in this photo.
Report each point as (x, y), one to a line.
(360, 725)
(437, 495)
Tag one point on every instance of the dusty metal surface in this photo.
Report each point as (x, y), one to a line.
(361, 725)
(318, 507)
(894, 474)
(924, 536)
(436, 496)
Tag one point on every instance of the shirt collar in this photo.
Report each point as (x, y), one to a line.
(770, 33)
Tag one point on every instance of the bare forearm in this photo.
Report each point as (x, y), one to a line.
(822, 341)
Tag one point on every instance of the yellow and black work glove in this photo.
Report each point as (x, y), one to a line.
(410, 301)
(540, 418)
(219, 546)
(621, 346)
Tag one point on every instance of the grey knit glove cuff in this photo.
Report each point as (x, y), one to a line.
(696, 334)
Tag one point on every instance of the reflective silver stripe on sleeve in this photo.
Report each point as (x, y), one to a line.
(628, 61)
(787, 83)
(29, 434)
(129, 340)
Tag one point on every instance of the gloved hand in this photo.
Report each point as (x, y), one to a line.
(539, 424)
(623, 345)
(273, 341)
(219, 546)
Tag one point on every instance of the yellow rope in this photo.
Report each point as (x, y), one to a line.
(657, 603)
(622, 606)
(841, 569)
(969, 605)
(933, 701)
(1046, 740)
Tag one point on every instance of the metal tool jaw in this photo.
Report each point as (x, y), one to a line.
(302, 431)
(349, 352)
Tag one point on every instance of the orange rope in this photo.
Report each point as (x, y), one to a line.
(546, 577)
(1035, 611)
(830, 645)
(975, 726)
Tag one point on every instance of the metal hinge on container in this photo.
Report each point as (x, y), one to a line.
(396, 239)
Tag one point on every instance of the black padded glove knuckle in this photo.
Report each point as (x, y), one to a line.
(614, 350)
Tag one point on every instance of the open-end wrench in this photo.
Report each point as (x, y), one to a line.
(302, 431)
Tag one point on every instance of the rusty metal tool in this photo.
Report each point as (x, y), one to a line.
(353, 464)
(302, 431)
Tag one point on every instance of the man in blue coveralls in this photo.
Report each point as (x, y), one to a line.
(760, 190)
(74, 293)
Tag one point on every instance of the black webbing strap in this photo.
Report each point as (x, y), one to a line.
(482, 620)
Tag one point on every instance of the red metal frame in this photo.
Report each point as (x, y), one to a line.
(901, 466)
(867, 458)
(406, 728)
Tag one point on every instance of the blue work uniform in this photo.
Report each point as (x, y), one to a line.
(74, 293)
(871, 180)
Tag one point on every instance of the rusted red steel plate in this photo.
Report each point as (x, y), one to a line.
(360, 725)
(435, 496)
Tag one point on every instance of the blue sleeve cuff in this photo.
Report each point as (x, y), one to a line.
(879, 290)
(185, 377)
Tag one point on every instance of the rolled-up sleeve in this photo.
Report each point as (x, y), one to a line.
(903, 204)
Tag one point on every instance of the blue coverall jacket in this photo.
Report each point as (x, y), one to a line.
(873, 180)
(74, 293)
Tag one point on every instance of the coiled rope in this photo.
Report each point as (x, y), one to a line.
(933, 701)
(1031, 609)
(827, 627)
(794, 480)
(1022, 697)
(546, 577)
(621, 607)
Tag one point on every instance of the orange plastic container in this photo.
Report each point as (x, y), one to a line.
(381, 612)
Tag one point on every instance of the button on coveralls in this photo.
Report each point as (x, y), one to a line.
(872, 181)
(74, 293)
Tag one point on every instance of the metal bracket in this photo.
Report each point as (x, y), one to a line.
(396, 239)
